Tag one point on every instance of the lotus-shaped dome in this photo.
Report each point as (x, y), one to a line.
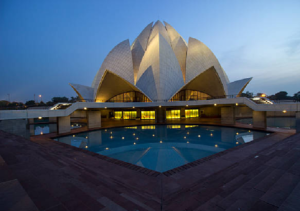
(160, 66)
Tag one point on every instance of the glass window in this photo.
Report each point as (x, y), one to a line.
(118, 114)
(173, 114)
(129, 114)
(189, 113)
(147, 114)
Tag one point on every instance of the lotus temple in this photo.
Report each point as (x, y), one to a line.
(160, 128)
(160, 66)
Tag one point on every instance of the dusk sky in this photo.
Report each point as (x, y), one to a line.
(44, 45)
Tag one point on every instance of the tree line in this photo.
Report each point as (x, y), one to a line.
(282, 95)
(4, 104)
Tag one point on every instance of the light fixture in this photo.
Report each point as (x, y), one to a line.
(187, 142)
(105, 107)
(153, 135)
(40, 117)
(86, 146)
(160, 142)
(237, 142)
(137, 138)
(42, 133)
(110, 132)
(73, 135)
(86, 137)
(133, 107)
(284, 111)
(216, 145)
(122, 137)
(111, 137)
(85, 108)
(237, 133)
(249, 131)
(215, 104)
(133, 134)
(134, 143)
(211, 134)
(184, 137)
(199, 136)
(187, 105)
(236, 104)
(105, 130)
(159, 106)
(263, 95)
(188, 133)
(106, 148)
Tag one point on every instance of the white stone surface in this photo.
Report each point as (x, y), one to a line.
(200, 58)
(159, 64)
(179, 46)
(84, 92)
(118, 61)
(138, 49)
(236, 88)
(159, 28)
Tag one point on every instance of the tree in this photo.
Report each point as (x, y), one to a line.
(3, 103)
(49, 103)
(42, 103)
(30, 103)
(297, 96)
(60, 100)
(247, 94)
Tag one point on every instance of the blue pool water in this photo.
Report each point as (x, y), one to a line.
(280, 122)
(161, 147)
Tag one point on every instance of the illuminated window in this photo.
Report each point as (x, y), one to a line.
(173, 114)
(129, 114)
(147, 114)
(118, 114)
(189, 113)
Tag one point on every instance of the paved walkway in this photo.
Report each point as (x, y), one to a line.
(261, 175)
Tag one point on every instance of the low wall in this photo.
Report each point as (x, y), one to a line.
(16, 126)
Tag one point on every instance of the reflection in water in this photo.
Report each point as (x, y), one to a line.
(163, 147)
(281, 122)
(40, 129)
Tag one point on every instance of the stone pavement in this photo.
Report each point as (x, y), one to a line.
(45, 175)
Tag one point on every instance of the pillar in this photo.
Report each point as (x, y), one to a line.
(182, 113)
(298, 122)
(63, 124)
(138, 113)
(227, 115)
(52, 119)
(93, 119)
(259, 119)
(160, 115)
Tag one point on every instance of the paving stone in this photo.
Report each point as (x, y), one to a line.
(14, 197)
(281, 189)
(292, 203)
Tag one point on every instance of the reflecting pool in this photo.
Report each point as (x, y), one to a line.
(281, 122)
(161, 147)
